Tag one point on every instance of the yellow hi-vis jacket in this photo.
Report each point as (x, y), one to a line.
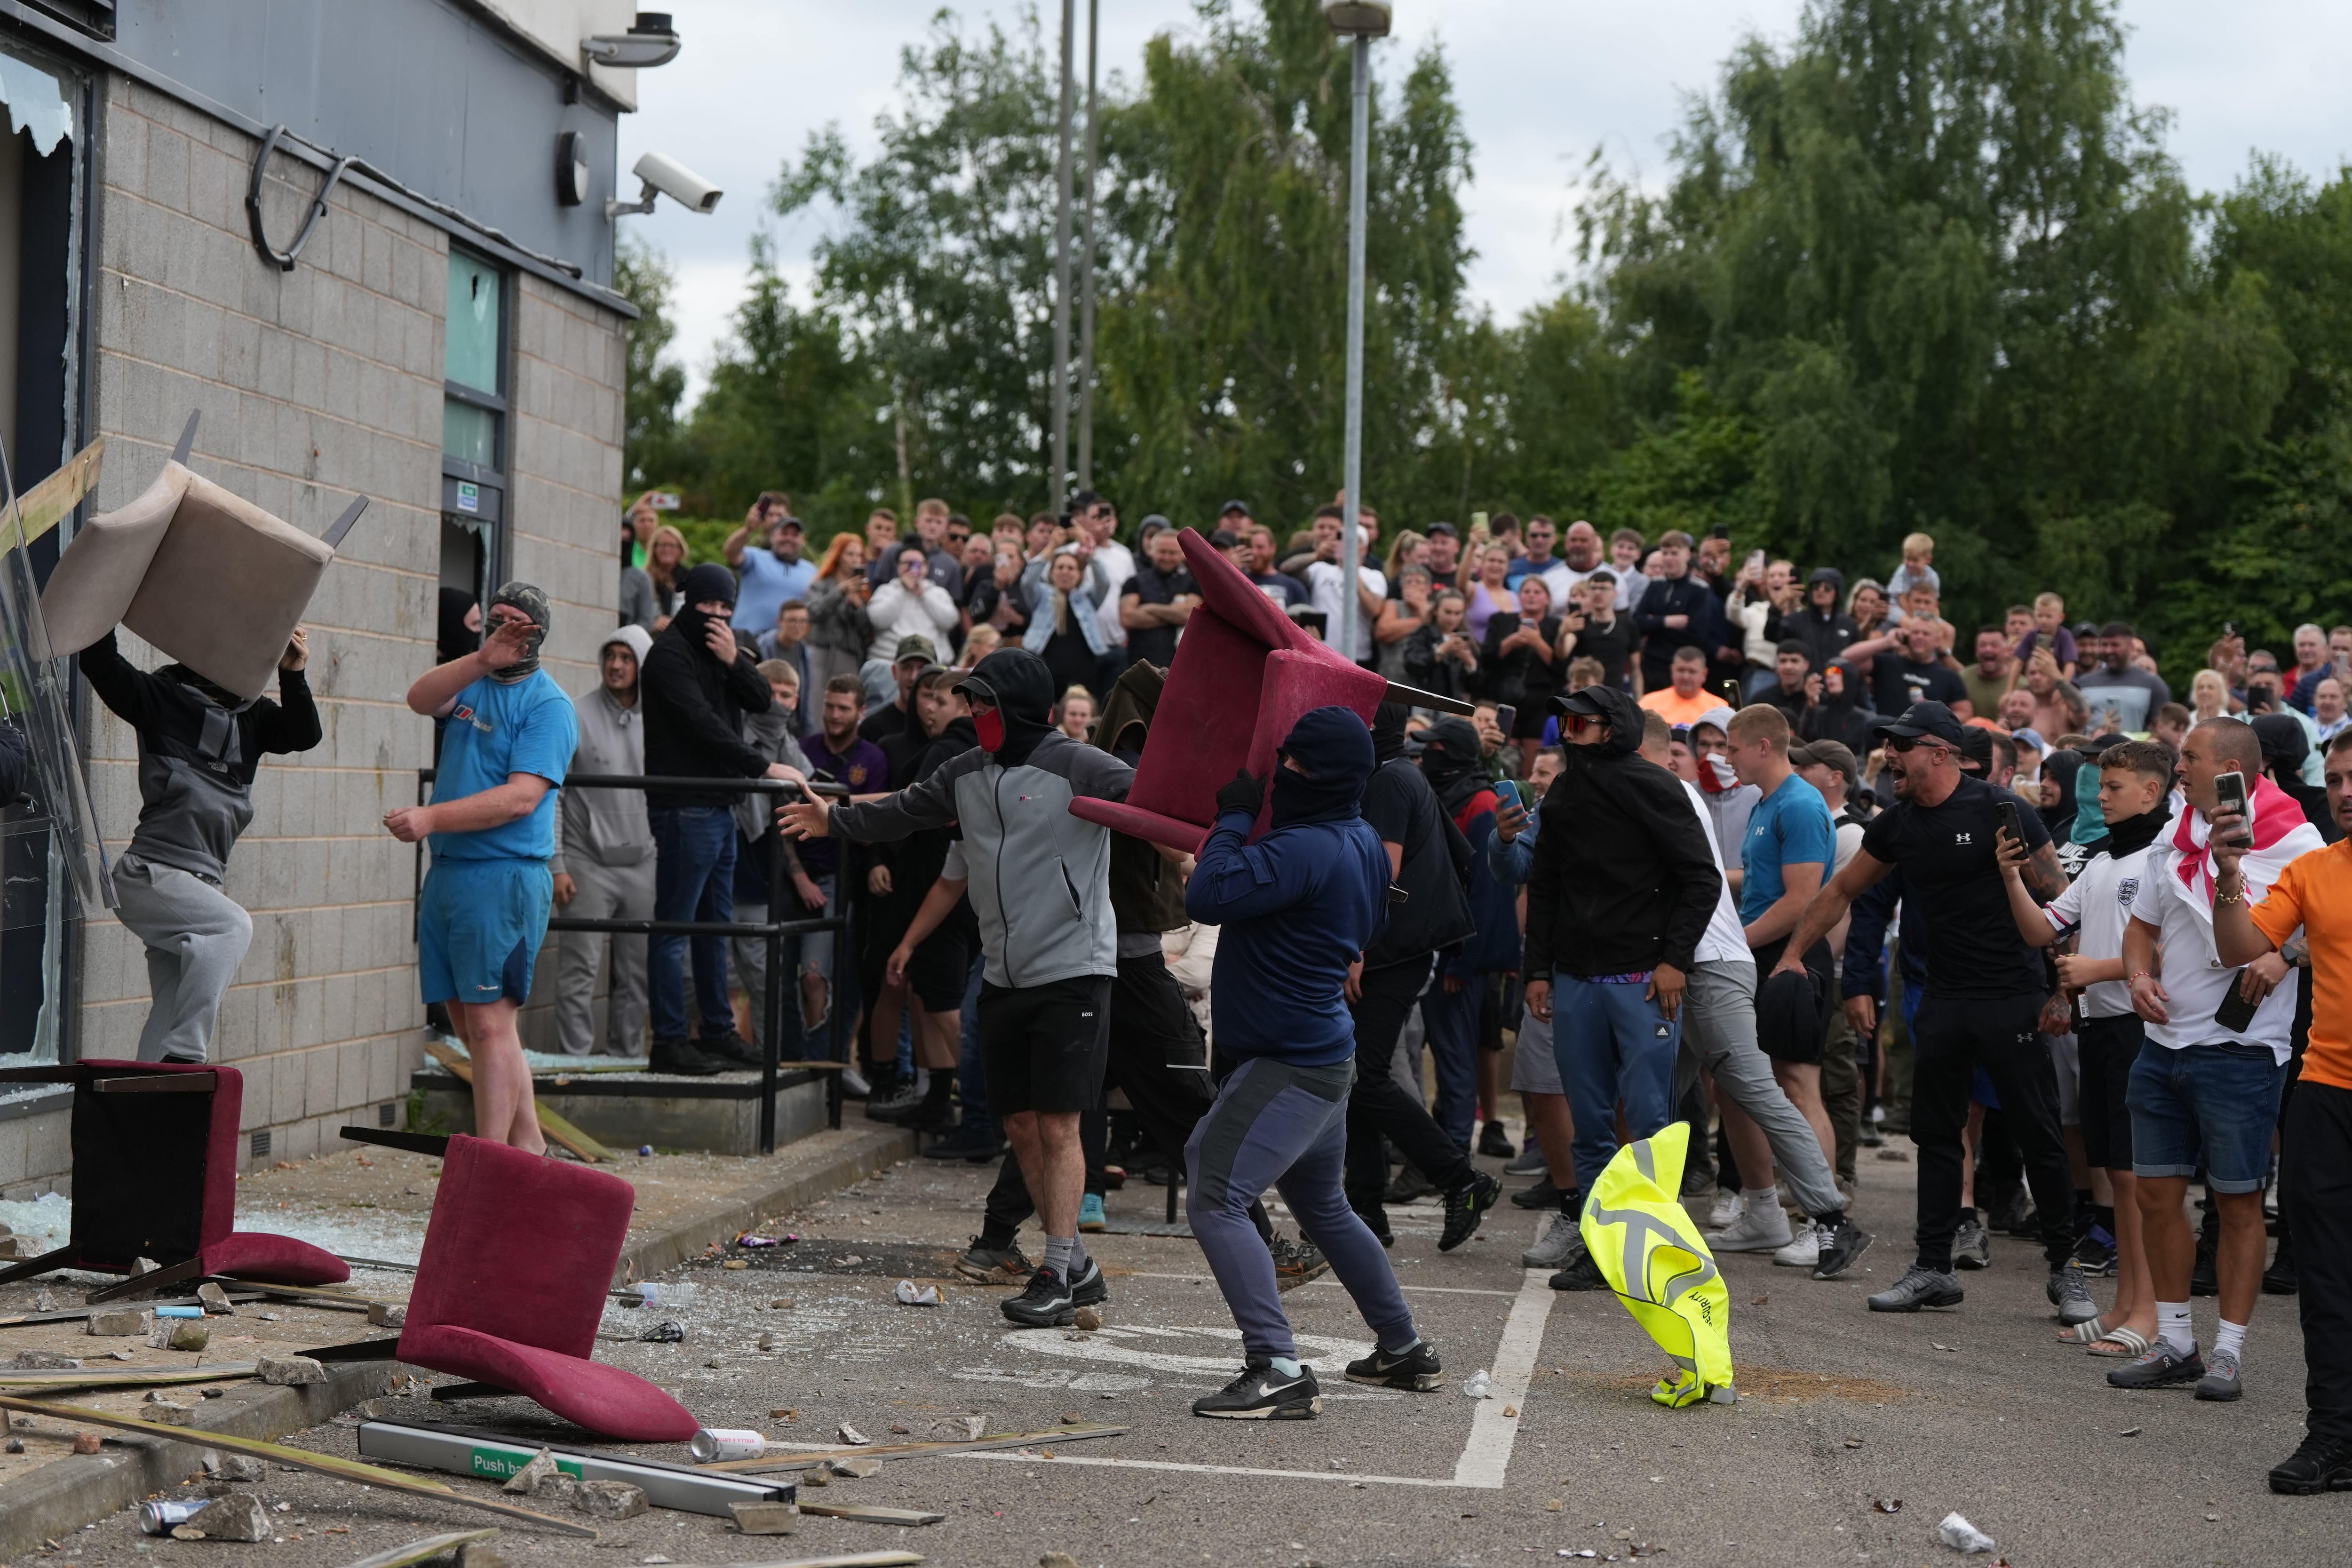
(1651, 1255)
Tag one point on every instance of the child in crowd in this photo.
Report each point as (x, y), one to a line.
(1918, 568)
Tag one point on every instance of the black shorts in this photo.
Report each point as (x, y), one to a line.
(2104, 1051)
(1043, 1046)
(939, 968)
(1791, 1031)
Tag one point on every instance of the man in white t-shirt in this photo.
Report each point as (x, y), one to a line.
(2135, 785)
(1112, 562)
(1720, 1036)
(1326, 585)
(2211, 1097)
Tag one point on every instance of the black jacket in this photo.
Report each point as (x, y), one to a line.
(1622, 878)
(1666, 596)
(1825, 636)
(1434, 870)
(694, 708)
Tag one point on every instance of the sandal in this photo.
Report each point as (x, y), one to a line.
(2131, 1343)
(2088, 1333)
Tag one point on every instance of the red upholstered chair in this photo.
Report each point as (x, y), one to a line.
(1244, 673)
(154, 1168)
(511, 1285)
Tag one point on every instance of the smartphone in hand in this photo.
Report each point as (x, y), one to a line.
(1505, 716)
(2230, 797)
(2010, 821)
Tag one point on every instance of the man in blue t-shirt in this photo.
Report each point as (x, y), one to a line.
(769, 577)
(1789, 846)
(507, 735)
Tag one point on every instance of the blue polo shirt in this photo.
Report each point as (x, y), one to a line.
(498, 729)
(1791, 826)
(766, 584)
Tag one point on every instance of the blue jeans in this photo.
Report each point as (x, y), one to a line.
(1612, 1044)
(1450, 1025)
(694, 880)
(2220, 1102)
(972, 1081)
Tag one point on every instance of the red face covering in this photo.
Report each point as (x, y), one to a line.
(990, 723)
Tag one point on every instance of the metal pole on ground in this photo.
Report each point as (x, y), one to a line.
(1359, 23)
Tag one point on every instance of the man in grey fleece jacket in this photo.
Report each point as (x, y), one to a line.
(604, 864)
(1039, 880)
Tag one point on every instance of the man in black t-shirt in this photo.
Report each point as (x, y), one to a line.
(1908, 671)
(1154, 604)
(1985, 988)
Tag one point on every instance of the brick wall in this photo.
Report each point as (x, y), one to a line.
(315, 385)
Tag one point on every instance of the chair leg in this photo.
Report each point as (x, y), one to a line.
(153, 1280)
(473, 1391)
(61, 1259)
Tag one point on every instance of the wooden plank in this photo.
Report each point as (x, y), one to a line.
(809, 1461)
(869, 1513)
(43, 1379)
(432, 1546)
(855, 1560)
(301, 1458)
(48, 503)
(554, 1126)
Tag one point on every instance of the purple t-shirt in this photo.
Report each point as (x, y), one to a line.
(861, 767)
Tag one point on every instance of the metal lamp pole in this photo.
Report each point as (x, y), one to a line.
(1359, 21)
(1057, 482)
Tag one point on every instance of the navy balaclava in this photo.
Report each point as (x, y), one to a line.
(1335, 749)
(1021, 686)
(531, 602)
(709, 580)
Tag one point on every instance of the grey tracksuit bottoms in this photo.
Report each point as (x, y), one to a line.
(1276, 1125)
(197, 936)
(1719, 1035)
(606, 893)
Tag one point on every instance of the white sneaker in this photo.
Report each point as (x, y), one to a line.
(1757, 1229)
(1727, 1206)
(1805, 1251)
(854, 1085)
(1558, 1245)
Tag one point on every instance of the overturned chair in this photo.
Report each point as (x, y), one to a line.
(154, 1163)
(511, 1286)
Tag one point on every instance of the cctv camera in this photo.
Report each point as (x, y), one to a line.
(671, 178)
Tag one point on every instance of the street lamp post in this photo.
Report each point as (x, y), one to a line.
(1358, 21)
(1057, 482)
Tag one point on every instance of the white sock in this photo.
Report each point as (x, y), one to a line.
(1284, 1365)
(2231, 1338)
(1764, 1200)
(2172, 1327)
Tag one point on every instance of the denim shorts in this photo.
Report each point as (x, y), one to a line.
(2210, 1105)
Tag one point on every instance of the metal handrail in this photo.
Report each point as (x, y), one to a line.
(774, 931)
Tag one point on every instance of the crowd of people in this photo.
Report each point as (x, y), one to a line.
(1769, 850)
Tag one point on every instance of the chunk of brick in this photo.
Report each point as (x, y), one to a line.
(290, 1370)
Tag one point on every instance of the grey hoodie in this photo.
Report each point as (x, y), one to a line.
(608, 826)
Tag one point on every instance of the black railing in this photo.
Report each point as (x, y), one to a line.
(775, 931)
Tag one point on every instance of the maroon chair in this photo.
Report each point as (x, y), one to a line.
(512, 1284)
(154, 1169)
(1243, 675)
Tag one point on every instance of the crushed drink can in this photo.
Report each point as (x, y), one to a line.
(715, 1443)
(158, 1518)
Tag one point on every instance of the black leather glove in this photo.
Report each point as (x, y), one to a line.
(1245, 795)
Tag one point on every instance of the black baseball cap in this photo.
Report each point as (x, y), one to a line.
(1234, 507)
(1446, 528)
(1976, 746)
(1583, 702)
(1929, 718)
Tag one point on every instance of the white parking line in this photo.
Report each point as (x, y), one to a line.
(1487, 1455)
(1211, 1469)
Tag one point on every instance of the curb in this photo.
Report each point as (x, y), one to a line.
(875, 1148)
(63, 1494)
(73, 1490)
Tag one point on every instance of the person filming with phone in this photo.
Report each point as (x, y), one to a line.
(2205, 1090)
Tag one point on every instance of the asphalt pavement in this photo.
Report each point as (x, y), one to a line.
(1854, 1436)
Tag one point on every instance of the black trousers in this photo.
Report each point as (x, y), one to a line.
(1950, 1039)
(1150, 1026)
(1379, 1110)
(2316, 1188)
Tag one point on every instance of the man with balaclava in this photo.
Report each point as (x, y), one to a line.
(700, 685)
(1298, 908)
(200, 746)
(604, 865)
(508, 734)
(1039, 882)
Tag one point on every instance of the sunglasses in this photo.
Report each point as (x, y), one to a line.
(1578, 723)
(1910, 742)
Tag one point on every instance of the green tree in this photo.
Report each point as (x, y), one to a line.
(649, 422)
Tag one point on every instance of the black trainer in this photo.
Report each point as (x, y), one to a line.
(2161, 1367)
(2321, 1464)
(1842, 1243)
(1376, 1220)
(1466, 1209)
(976, 1145)
(1542, 1195)
(990, 1265)
(1496, 1143)
(1407, 1186)
(2204, 1274)
(679, 1058)
(1296, 1262)
(1046, 1304)
(1090, 1288)
(731, 1048)
(2280, 1278)
(1417, 1370)
(1262, 1393)
(1918, 1287)
(1582, 1274)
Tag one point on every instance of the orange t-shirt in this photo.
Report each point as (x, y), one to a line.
(2314, 892)
(1676, 709)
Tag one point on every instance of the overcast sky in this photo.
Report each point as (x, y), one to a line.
(1540, 87)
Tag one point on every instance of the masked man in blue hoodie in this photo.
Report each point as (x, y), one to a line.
(1298, 906)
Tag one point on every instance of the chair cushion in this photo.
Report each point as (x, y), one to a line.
(273, 1259)
(604, 1399)
(1149, 825)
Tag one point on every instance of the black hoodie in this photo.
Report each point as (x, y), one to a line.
(1623, 879)
(694, 706)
